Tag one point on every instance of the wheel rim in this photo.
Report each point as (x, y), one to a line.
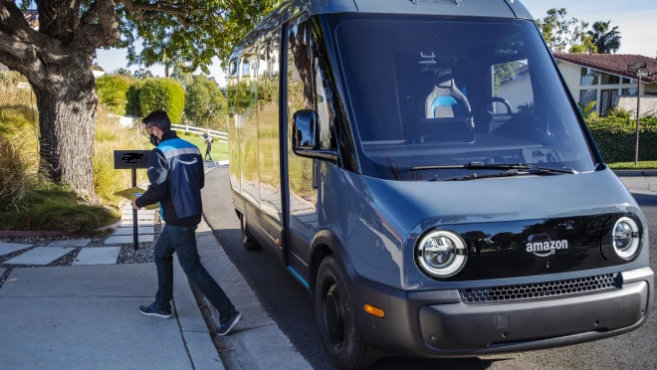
(334, 314)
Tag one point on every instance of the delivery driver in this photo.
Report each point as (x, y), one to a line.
(175, 171)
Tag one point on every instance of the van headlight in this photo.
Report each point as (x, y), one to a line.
(441, 254)
(625, 238)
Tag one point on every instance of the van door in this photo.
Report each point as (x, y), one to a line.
(306, 89)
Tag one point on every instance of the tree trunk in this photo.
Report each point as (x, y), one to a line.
(68, 110)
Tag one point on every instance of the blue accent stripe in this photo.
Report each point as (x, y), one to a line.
(296, 275)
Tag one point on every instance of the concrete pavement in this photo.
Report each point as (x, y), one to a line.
(86, 317)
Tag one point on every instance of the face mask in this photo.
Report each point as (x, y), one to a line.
(154, 140)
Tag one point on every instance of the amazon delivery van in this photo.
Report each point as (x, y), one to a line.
(420, 167)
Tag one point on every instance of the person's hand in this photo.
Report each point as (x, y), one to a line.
(134, 205)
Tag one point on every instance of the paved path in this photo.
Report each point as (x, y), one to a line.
(83, 313)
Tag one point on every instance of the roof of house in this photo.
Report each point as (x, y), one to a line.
(32, 18)
(612, 63)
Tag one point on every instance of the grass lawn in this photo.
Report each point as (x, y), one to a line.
(219, 152)
(643, 165)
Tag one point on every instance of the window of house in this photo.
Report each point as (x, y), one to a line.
(512, 82)
(628, 80)
(629, 92)
(588, 77)
(607, 79)
(587, 96)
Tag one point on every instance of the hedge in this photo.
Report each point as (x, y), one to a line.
(112, 92)
(133, 108)
(162, 94)
(616, 138)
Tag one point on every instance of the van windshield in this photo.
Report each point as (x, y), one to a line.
(429, 94)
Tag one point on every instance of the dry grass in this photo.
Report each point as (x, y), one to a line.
(30, 202)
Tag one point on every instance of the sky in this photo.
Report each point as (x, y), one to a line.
(636, 21)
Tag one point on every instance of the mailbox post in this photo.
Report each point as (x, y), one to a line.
(132, 159)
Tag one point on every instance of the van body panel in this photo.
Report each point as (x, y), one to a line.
(411, 320)
(519, 10)
(469, 8)
(416, 325)
(391, 215)
(294, 7)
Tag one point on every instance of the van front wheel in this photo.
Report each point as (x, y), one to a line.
(337, 320)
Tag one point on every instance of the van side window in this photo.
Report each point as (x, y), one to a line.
(299, 70)
(325, 99)
(307, 84)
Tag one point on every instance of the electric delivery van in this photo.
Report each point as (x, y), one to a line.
(421, 168)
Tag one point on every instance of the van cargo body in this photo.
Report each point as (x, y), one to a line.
(421, 169)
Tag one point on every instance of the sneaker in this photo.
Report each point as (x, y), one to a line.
(152, 310)
(226, 326)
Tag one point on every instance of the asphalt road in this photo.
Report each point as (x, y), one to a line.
(290, 305)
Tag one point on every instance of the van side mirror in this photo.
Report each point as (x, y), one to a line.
(305, 131)
(305, 137)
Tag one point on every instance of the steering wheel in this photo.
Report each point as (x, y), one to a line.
(497, 99)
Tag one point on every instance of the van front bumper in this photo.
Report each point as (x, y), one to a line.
(439, 324)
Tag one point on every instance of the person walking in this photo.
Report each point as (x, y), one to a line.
(208, 148)
(175, 171)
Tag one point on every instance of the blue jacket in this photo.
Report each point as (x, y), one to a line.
(175, 170)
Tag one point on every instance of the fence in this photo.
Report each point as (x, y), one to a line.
(220, 135)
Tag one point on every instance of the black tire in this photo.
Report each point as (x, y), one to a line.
(249, 243)
(337, 320)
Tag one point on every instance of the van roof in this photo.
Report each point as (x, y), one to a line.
(465, 8)
(473, 8)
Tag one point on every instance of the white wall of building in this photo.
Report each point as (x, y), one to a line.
(648, 105)
(572, 75)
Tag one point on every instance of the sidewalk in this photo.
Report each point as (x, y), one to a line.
(86, 316)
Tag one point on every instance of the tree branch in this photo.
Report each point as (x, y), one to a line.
(106, 31)
(22, 57)
(13, 23)
(160, 6)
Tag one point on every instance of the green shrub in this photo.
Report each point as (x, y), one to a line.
(162, 94)
(112, 92)
(618, 112)
(53, 208)
(205, 105)
(616, 139)
(133, 108)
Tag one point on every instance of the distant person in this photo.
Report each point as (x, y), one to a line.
(208, 141)
(176, 175)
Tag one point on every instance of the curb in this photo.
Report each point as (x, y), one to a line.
(31, 234)
(636, 173)
(212, 164)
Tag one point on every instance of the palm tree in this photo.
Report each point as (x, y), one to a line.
(607, 40)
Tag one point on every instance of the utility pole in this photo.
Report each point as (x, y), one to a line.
(640, 70)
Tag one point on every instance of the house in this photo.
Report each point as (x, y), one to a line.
(607, 80)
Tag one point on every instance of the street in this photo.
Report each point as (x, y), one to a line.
(290, 304)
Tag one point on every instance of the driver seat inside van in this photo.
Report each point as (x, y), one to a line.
(447, 112)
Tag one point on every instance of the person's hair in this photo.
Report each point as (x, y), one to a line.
(158, 119)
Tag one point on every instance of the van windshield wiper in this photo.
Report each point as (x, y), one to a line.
(532, 170)
(490, 166)
(517, 169)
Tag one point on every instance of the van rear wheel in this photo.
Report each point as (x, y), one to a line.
(249, 243)
(337, 320)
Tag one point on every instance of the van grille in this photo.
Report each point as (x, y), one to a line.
(560, 288)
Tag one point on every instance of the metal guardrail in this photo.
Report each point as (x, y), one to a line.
(220, 135)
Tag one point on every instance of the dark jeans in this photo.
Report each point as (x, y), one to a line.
(182, 240)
